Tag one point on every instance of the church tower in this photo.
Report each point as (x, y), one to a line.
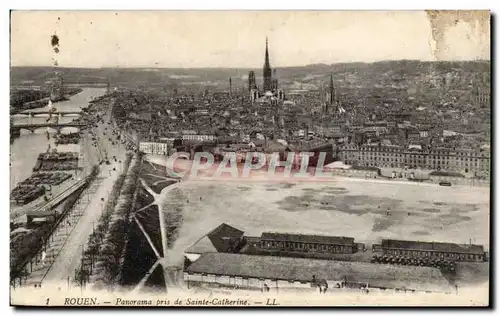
(332, 93)
(274, 81)
(267, 72)
(251, 81)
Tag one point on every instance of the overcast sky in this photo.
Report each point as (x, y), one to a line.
(232, 39)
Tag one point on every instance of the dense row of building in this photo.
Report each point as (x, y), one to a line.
(402, 129)
(461, 160)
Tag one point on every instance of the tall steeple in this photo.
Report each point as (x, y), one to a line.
(332, 91)
(266, 63)
(267, 71)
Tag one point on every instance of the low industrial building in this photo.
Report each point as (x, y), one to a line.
(307, 243)
(431, 250)
(223, 238)
(225, 257)
(226, 238)
(275, 273)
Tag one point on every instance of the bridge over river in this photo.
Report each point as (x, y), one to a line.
(16, 127)
(47, 112)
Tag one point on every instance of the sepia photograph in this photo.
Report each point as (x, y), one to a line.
(250, 158)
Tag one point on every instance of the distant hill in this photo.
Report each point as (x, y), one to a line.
(162, 76)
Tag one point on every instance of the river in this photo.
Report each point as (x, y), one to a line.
(24, 150)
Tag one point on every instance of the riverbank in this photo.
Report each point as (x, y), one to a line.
(40, 103)
(25, 148)
(36, 186)
(53, 173)
(29, 240)
(25, 151)
(91, 160)
(18, 212)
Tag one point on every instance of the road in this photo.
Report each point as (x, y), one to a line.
(59, 237)
(70, 256)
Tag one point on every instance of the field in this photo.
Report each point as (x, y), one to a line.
(367, 211)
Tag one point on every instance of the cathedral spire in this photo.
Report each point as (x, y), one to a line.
(267, 71)
(331, 94)
(266, 62)
(332, 90)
